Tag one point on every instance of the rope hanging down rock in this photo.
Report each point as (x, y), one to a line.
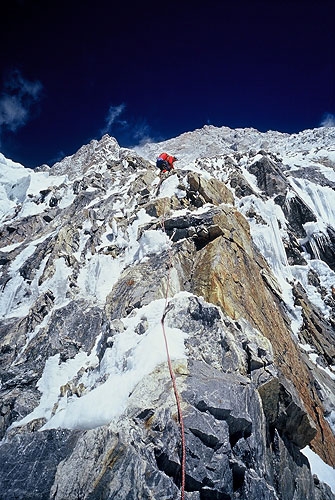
(173, 378)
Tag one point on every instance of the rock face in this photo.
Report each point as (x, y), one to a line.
(226, 256)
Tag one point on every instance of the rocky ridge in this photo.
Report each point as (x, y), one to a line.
(90, 246)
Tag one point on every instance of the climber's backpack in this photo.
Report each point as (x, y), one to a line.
(162, 164)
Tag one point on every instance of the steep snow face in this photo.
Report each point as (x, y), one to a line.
(21, 187)
(310, 146)
(93, 155)
(108, 232)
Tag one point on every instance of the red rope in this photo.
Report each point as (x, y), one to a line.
(174, 383)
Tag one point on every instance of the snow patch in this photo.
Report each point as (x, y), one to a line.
(107, 389)
(325, 473)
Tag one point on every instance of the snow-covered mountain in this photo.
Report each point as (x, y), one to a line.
(225, 266)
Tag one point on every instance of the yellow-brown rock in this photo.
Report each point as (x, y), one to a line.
(228, 273)
(212, 190)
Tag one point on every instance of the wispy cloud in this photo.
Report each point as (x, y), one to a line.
(113, 118)
(328, 120)
(128, 130)
(16, 101)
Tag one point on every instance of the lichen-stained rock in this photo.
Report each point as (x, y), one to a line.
(159, 207)
(229, 273)
(211, 190)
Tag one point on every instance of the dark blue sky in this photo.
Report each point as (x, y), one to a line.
(72, 70)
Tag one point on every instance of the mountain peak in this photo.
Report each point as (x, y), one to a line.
(125, 290)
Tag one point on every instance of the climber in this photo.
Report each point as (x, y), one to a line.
(165, 162)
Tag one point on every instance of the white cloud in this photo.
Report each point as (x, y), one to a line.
(12, 113)
(328, 120)
(130, 130)
(17, 100)
(112, 118)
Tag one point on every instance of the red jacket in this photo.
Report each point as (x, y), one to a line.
(170, 159)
